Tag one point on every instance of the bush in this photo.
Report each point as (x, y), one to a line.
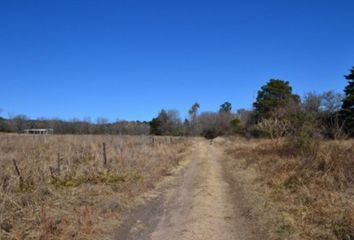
(274, 127)
(210, 134)
(253, 131)
(305, 139)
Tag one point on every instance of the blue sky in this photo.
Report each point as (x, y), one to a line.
(128, 59)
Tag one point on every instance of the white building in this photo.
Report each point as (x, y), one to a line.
(39, 131)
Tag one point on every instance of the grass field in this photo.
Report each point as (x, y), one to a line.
(73, 187)
(296, 196)
(81, 186)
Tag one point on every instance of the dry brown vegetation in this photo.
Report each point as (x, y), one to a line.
(59, 187)
(296, 194)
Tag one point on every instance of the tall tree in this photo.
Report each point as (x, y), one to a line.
(347, 111)
(194, 110)
(272, 96)
(225, 107)
(191, 126)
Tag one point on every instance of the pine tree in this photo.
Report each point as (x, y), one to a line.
(273, 95)
(347, 111)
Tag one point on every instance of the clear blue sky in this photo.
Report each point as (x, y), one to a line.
(128, 59)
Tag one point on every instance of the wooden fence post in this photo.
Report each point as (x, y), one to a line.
(104, 155)
(18, 173)
(58, 163)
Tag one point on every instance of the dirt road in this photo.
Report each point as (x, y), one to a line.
(196, 203)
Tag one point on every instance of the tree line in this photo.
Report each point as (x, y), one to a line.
(20, 122)
(276, 112)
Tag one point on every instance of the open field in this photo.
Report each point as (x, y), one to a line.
(294, 196)
(60, 187)
(122, 187)
(177, 120)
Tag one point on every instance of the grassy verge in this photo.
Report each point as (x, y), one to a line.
(296, 196)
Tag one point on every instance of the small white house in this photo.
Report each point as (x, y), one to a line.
(40, 131)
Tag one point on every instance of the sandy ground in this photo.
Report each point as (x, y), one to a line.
(196, 203)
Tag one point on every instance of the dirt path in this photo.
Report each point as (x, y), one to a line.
(196, 204)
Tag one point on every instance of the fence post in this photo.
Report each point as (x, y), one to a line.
(58, 163)
(18, 173)
(104, 155)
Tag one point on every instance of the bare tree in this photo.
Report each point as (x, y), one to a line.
(18, 123)
(214, 124)
(311, 102)
(324, 109)
(331, 101)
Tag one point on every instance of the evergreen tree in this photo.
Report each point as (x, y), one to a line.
(166, 123)
(347, 111)
(272, 96)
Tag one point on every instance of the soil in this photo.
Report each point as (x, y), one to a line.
(195, 203)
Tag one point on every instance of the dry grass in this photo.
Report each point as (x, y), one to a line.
(65, 191)
(297, 195)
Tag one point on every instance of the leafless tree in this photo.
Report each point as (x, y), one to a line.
(324, 108)
(311, 102)
(214, 124)
(18, 123)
